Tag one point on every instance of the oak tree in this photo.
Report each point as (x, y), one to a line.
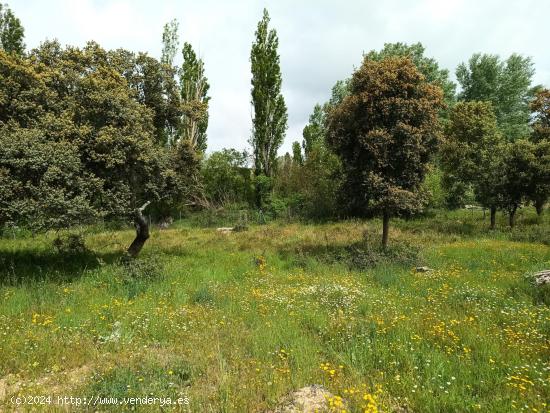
(385, 132)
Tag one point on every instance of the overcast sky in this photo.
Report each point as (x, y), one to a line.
(320, 41)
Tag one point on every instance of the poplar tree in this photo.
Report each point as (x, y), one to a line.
(194, 97)
(170, 42)
(269, 123)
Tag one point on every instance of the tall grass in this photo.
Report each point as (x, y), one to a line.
(235, 321)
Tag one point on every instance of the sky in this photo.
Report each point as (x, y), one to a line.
(320, 41)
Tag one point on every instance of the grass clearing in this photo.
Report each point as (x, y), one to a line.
(234, 322)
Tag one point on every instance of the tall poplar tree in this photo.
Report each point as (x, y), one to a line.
(194, 97)
(193, 84)
(270, 114)
(170, 42)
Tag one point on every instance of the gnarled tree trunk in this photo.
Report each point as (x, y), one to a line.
(142, 231)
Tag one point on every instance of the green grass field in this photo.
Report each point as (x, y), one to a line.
(234, 322)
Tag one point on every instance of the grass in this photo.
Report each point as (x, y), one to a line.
(235, 322)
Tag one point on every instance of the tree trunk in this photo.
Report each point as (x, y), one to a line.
(142, 232)
(493, 217)
(539, 206)
(512, 217)
(385, 229)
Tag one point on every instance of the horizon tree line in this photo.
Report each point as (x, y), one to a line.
(88, 133)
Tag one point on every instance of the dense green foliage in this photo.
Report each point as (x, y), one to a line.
(506, 84)
(385, 132)
(426, 65)
(314, 133)
(540, 107)
(227, 178)
(170, 42)
(194, 96)
(97, 112)
(470, 154)
(12, 33)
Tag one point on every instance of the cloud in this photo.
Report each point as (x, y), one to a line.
(320, 41)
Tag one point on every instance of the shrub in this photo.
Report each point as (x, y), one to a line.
(365, 254)
(70, 244)
(141, 269)
(532, 233)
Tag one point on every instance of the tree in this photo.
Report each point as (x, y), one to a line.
(170, 42)
(226, 177)
(385, 132)
(519, 174)
(194, 96)
(426, 65)
(270, 115)
(12, 33)
(337, 94)
(540, 109)
(320, 181)
(539, 189)
(297, 153)
(314, 132)
(77, 103)
(153, 85)
(471, 153)
(506, 84)
(41, 182)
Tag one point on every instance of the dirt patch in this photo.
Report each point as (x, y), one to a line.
(309, 399)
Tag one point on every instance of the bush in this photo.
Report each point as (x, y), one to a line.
(365, 254)
(369, 253)
(284, 207)
(532, 233)
(141, 269)
(70, 244)
(433, 185)
(226, 177)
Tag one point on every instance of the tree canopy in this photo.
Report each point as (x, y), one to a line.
(385, 132)
(426, 65)
(506, 84)
(79, 137)
(471, 153)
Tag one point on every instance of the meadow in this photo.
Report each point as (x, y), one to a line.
(234, 322)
